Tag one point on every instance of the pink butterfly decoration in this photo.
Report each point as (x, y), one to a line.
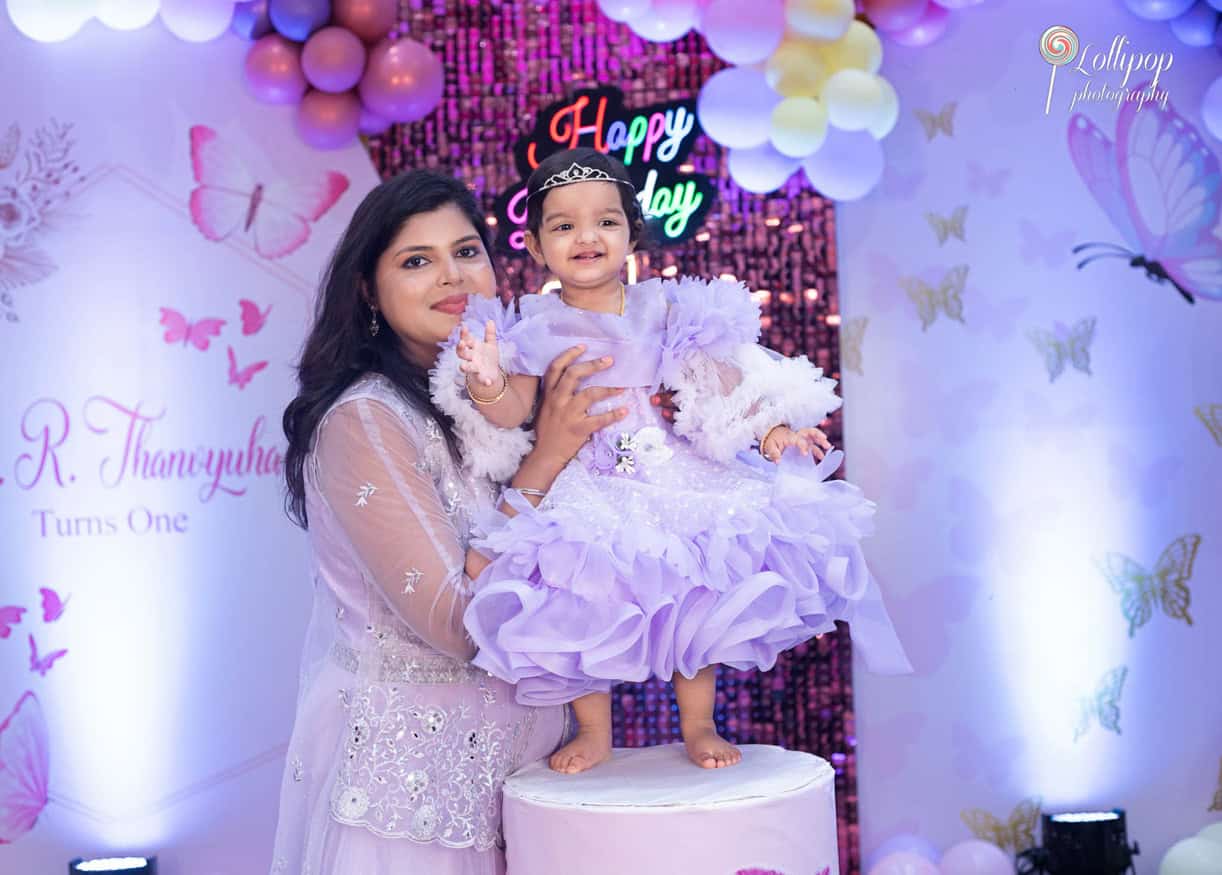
(229, 198)
(989, 762)
(197, 334)
(926, 619)
(253, 319)
(241, 377)
(10, 615)
(42, 664)
(52, 605)
(1159, 184)
(24, 767)
(1053, 248)
(986, 182)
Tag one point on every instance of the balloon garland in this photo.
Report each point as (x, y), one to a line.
(804, 89)
(343, 63)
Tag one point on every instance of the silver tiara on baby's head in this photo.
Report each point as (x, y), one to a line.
(579, 173)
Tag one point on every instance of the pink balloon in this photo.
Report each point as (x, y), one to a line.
(371, 123)
(333, 59)
(895, 14)
(403, 80)
(273, 70)
(328, 121)
(929, 28)
(371, 20)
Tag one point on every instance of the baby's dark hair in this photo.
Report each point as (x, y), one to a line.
(593, 160)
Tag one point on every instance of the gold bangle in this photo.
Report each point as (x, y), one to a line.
(764, 439)
(499, 395)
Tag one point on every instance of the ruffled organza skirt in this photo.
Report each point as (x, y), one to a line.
(672, 566)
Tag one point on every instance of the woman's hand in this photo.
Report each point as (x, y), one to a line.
(807, 440)
(666, 401)
(563, 423)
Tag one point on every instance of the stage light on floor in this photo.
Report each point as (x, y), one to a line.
(1081, 843)
(115, 865)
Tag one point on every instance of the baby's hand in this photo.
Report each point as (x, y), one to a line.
(481, 360)
(807, 440)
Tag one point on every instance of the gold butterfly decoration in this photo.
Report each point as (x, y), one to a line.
(851, 335)
(951, 226)
(1211, 417)
(1063, 345)
(1167, 587)
(1015, 834)
(8, 146)
(947, 297)
(1102, 705)
(943, 120)
(1216, 805)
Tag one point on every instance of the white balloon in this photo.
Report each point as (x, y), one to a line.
(760, 169)
(888, 112)
(1192, 856)
(127, 14)
(855, 99)
(197, 21)
(847, 166)
(820, 19)
(665, 20)
(1213, 832)
(735, 107)
(50, 21)
(623, 10)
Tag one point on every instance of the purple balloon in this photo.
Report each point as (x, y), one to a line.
(1211, 108)
(741, 36)
(372, 124)
(297, 19)
(333, 59)
(273, 70)
(403, 80)
(1158, 10)
(1197, 26)
(847, 166)
(251, 20)
(761, 169)
(328, 121)
(891, 15)
(931, 26)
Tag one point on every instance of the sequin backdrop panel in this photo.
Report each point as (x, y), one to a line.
(504, 62)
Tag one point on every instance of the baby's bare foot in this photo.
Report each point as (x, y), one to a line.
(707, 749)
(587, 749)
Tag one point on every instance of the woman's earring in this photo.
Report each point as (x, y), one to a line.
(373, 323)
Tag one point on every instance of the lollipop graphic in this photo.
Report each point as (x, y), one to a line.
(1059, 46)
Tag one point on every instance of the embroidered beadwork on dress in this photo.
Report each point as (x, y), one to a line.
(362, 494)
(411, 577)
(425, 772)
(397, 664)
(298, 770)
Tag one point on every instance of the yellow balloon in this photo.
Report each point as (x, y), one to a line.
(821, 19)
(799, 126)
(859, 49)
(796, 69)
(886, 112)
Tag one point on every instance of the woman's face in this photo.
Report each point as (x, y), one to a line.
(424, 276)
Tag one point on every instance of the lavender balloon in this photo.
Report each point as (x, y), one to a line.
(929, 28)
(328, 121)
(761, 169)
(1211, 108)
(273, 70)
(1197, 26)
(333, 59)
(403, 80)
(743, 37)
(372, 124)
(891, 15)
(1158, 10)
(846, 167)
(251, 20)
(297, 19)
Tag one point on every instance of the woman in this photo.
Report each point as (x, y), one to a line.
(400, 746)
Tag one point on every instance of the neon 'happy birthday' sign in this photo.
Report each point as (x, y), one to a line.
(652, 142)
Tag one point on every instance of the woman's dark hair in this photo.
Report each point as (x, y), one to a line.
(583, 157)
(340, 347)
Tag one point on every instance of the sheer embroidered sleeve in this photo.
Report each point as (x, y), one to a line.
(371, 474)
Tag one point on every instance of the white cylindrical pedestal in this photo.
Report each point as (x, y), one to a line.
(650, 811)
